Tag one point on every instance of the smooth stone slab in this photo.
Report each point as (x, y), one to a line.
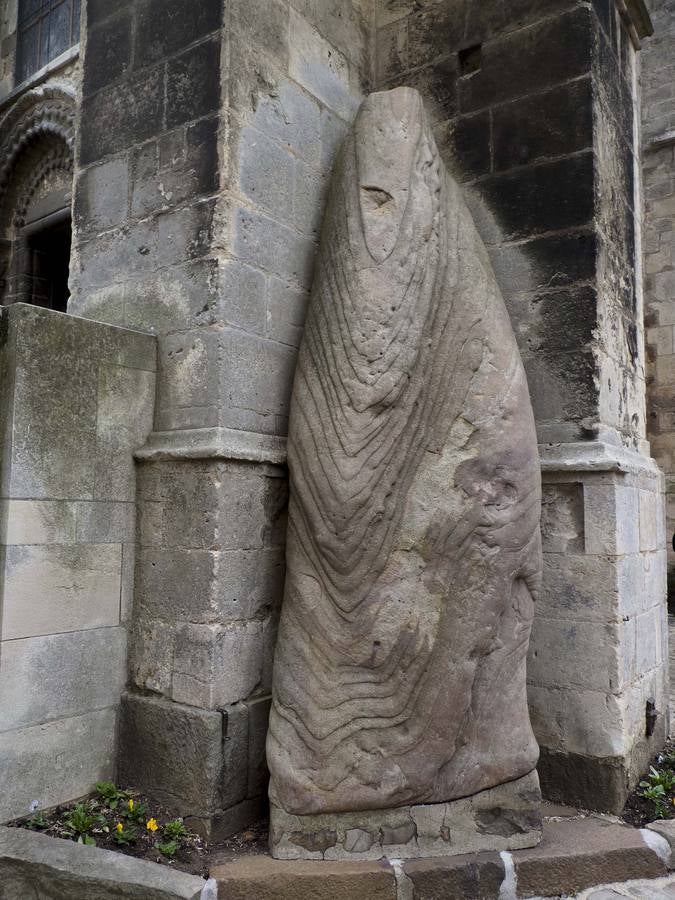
(507, 817)
(34, 865)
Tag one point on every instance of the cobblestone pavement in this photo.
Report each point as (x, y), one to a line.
(655, 889)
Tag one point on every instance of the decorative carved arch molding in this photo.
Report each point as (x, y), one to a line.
(36, 173)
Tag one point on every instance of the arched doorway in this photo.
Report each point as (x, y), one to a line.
(36, 174)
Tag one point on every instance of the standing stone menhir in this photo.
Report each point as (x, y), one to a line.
(399, 724)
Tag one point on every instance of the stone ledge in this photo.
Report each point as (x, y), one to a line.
(577, 852)
(594, 456)
(34, 865)
(214, 443)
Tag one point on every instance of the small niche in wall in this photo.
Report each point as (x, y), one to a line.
(470, 60)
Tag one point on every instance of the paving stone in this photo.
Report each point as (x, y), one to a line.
(268, 879)
(578, 853)
(666, 830)
(473, 877)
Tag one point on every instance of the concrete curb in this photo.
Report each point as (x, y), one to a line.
(34, 865)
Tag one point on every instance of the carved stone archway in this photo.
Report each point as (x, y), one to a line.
(36, 172)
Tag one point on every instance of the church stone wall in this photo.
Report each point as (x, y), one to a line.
(204, 149)
(535, 110)
(658, 116)
(206, 135)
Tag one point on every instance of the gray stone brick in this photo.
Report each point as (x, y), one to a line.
(266, 173)
(320, 68)
(286, 311)
(266, 244)
(243, 296)
(234, 786)
(151, 652)
(263, 25)
(256, 374)
(54, 761)
(215, 666)
(60, 675)
(101, 198)
(171, 752)
(309, 200)
(293, 117)
(189, 369)
(105, 522)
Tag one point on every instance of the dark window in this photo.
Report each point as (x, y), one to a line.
(46, 29)
(50, 260)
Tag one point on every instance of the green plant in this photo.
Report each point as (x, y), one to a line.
(175, 830)
(660, 777)
(37, 822)
(124, 834)
(86, 839)
(169, 849)
(79, 820)
(656, 794)
(109, 793)
(135, 812)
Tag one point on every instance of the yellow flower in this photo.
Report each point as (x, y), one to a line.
(130, 804)
(119, 827)
(152, 825)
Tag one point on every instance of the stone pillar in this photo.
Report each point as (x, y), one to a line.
(203, 153)
(535, 109)
(77, 400)
(658, 117)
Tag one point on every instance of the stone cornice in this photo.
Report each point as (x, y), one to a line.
(214, 443)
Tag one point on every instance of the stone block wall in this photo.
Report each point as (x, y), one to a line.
(204, 150)
(658, 116)
(534, 103)
(77, 399)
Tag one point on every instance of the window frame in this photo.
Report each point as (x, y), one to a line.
(33, 53)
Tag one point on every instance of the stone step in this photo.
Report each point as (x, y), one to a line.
(577, 852)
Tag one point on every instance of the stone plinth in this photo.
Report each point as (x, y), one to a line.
(506, 817)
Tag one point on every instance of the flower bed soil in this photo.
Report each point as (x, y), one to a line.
(191, 854)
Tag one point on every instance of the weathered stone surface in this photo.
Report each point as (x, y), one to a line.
(55, 761)
(466, 877)
(268, 879)
(666, 830)
(172, 752)
(34, 865)
(504, 817)
(580, 852)
(60, 675)
(413, 547)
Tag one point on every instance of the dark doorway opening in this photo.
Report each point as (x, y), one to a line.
(49, 251)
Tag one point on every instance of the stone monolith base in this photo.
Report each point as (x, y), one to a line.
(507, 817)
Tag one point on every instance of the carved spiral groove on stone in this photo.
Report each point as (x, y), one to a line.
(413, 542)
